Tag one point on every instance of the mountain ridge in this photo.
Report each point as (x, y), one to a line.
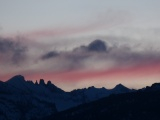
(142, 104)
(20, 78)
(42, 99)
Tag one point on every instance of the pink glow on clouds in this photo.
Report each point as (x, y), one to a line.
(133, 76)
(73, 76)
(144, 70)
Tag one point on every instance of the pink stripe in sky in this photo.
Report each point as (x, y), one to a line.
(73, 76)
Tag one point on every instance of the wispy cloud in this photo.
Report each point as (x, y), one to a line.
(50, 55)
(102, 21)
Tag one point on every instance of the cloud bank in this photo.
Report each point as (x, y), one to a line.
(90, 61)
(98, 55)
(12, 50)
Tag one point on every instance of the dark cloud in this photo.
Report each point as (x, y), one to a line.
(97, 54)
(12, 48)
(97, 46)
(49, 55)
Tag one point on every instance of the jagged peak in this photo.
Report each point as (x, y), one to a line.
(41, 82)
(49, 83)
(36, 83)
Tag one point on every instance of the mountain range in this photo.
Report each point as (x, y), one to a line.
(24, 100)
(143, 104)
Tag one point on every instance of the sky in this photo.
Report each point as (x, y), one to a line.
(81, 43)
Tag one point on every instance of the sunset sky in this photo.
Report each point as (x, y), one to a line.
(51, 39)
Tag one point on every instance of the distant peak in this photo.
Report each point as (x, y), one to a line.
(36, 83)
(92, 87)
(18, 78)
(53, 88)
(155, 84)
(119, 86)
(49, 83)
(41, 82)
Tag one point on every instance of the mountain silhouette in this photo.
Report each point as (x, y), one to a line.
(138, 105)
(16, 79)
(22, 99)
(121, 89)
